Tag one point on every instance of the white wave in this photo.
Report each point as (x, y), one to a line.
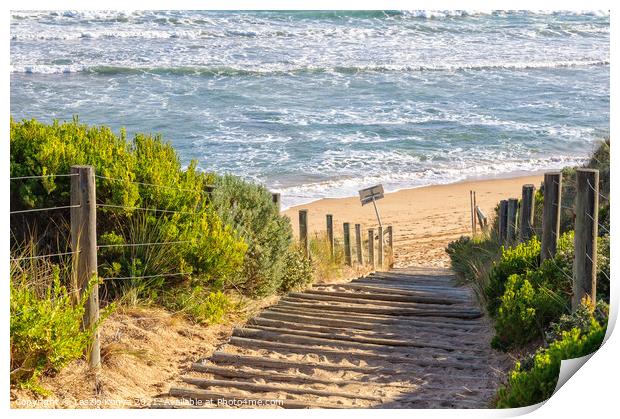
(291, 69)
(346, 187)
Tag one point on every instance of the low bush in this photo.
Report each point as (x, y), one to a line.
(535, 381)
(46, 323)
(513, 260)
(196, 303)
(298, 270)
(250, 210)
(530, 302)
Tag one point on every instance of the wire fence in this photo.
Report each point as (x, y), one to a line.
(112, 206)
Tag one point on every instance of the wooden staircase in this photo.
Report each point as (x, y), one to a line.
(408, 338)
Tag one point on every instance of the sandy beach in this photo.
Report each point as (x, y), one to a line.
(424, 219)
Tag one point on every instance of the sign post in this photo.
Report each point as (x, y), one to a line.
(371, 194)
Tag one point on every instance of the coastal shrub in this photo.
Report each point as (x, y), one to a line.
(530, 302)
(581, 319)
(196, 303)
(298, 270)
(250, 210)
(602, 266)
(535, 381)
(126, 171)
(45, 324)
(513, 260)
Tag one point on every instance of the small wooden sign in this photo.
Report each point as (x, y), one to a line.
(371, 194)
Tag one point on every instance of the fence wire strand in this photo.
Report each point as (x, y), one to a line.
(43, 176)
(45, 209)
(146, 209)
(44, 256)
(102, 246)
(153, 185)
(146, 276)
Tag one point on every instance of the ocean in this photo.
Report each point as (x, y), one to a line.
(321, 104)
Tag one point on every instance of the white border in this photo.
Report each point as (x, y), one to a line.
(590, 393)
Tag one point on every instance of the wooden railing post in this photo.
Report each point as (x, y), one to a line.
(330, 234)
(347, 244)
(511, 224)
(84, 242)
(380, 249)
(358, 244)
(551, 215)
(303, 231)
(371, 247)
(471, 212)
(526, 216)
(275, 196)
(390, 234)
(503, 220)
(586, 232)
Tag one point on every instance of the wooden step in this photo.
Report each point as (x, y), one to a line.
(382, 297)
(214, 396)
(438, 362)
(422, 312)
(275, 388)
(364, 341)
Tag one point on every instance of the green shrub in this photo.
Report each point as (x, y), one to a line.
(212, 250)
(580, 319)
(514, 260)
(196, 303)
(297, 272)
(45, 325)
(534, 383)
(530, 302)
(250, 210)
(602, 267)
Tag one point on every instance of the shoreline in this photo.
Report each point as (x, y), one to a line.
(468, 178)
(425, 219)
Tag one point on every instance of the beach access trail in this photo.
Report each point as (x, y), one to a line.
(407, 338)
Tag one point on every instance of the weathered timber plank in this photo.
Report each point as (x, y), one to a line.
(249, 343)
(459, 314)
(394, 332)
(238, 372)
(385, 297)
(330, 339)
(371, 299)
(274, 388)
(308, 367)
(436, 322)
(389, 342)
(199, 394)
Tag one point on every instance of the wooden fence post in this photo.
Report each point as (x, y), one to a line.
(482, 219)
(347, 244)
(586, 232)
(526, 216)
(371, 247)
(358, 244)
(330, 233)
(551, 215)
(380, 249)
(471, 212)
(391, 245)
(511, 225)
(84, 242)
(503, 220)
(276, 200)
(303, 231)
